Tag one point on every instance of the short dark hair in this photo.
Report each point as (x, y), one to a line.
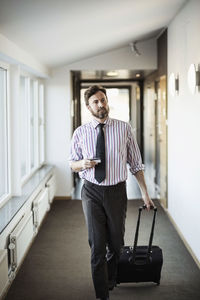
(92, 90)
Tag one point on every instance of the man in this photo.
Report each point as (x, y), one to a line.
(100, 151)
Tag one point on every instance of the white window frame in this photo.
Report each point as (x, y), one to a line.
(14, 181)
(41, 125)
(7, 196)
(35, 125)
(39, 148)
(27, 109)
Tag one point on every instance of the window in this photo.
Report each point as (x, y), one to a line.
(41, 124)
(24, 117)
(31, 125)
(118, 100)
(4, 168)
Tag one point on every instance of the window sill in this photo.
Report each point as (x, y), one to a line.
(3, 200)
(14, 204)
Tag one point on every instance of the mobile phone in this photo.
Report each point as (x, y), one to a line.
(96, 159)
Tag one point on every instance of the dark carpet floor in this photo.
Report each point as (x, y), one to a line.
(57, 267)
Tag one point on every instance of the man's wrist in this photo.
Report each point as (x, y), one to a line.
(82, 167)
(145, 194)
(77, 166)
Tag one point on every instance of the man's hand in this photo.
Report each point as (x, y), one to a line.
(88, 163)
(148, 202)
(82, 164)
(142, 184)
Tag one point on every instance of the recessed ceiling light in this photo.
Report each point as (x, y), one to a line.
(112, 73)
(137, 75)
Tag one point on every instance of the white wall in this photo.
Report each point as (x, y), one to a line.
(184, 124)
(11, 53)
(122, 58)
(58, 128)
(58, 103)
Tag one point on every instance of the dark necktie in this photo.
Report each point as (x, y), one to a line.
(100, 169)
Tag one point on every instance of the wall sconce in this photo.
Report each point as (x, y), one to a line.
(173, 84)
(193, 78)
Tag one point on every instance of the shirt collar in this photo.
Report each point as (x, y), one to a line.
(95, 123)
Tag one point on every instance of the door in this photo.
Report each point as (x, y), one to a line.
(76, 109)
(150, 98)
(161, 139)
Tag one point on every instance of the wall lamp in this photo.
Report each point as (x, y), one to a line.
(173, 84)
(193, 78)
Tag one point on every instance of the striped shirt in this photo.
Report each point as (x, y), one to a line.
(120, 145)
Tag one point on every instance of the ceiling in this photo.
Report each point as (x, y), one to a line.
(59, 32)
(110, 75)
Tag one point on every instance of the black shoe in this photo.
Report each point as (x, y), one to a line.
(111, 285)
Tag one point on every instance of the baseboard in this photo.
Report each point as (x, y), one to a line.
(182, 237)
(62, 198)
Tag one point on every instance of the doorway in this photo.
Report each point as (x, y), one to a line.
(119, 103)
(155, 130)
(125, 102)
(161, 139)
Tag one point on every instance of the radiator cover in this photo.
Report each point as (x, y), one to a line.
(20, 239)
(3, 271)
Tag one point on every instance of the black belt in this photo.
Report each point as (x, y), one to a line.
(91, 184)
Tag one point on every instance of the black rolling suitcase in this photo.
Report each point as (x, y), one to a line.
(141, 263)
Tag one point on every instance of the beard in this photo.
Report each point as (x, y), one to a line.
(102, 113)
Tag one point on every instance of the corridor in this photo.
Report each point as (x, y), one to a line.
(146, 55)
(57, 266)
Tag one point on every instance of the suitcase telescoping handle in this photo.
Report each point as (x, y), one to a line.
(137, 232)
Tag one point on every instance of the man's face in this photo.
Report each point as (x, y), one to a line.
(98, 105)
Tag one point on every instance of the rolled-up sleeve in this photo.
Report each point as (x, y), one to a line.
(133, 153)
(75, 147)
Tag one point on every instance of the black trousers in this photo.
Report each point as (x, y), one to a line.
(105, 212)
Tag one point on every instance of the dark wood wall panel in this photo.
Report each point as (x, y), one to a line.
(162, 54)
